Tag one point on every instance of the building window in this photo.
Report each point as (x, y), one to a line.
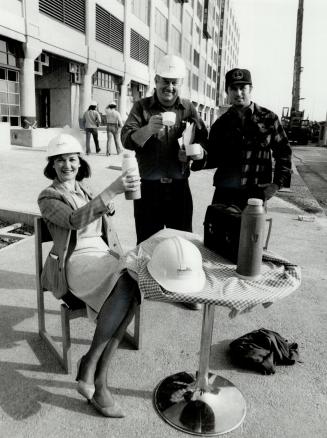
(196, 58)
(8, 53)
(177, 10)
(199, 10)
(161, 25)
(195, 82)
(9, 96)
(70, 12)
(158, 53)
(209, 71)
(208, 91)
(106, 81)
(214, 75)
(139, 48)
(213, 93)
(108, 29)
(140, 8)
(176, 37)
(198, 32)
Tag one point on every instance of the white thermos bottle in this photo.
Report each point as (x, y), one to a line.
(130, 166)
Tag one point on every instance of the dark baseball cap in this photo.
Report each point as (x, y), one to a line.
(238, 76)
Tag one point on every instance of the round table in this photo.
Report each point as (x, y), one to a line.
(205, 403)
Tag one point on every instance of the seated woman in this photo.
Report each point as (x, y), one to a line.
(84, 262)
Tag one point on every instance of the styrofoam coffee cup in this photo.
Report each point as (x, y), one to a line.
(193, 149)
(169, 118)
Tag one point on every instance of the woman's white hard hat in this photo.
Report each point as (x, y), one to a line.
(64, 144)
(171, 67)
(176, 264)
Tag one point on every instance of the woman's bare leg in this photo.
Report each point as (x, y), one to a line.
(102, 394)
(112, 315)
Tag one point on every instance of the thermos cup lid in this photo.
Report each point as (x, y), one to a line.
(255, 201)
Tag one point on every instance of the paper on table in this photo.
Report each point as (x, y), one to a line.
(188, 133)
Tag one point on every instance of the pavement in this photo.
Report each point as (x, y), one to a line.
(37, 399)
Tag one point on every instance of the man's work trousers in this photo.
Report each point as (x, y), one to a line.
(114, 130)
(94, 132)
(163, 205)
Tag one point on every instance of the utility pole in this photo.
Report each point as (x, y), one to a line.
(297, 59)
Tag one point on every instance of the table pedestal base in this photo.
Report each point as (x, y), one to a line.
(218, 409)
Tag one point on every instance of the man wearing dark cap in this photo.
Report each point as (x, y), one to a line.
(242, 145)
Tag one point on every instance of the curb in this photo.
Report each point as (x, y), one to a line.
(13, 216)
(300, 195)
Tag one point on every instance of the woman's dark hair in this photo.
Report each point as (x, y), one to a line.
(84, 170)
(91, 107)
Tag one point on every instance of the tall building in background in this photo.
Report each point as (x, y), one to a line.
(56, 56)
(229, 42)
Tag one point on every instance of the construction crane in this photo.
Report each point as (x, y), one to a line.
(297, 128)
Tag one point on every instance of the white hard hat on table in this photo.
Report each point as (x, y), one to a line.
(176, 264)
(171, 67)
(63, 144)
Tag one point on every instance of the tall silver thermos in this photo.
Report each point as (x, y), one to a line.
(251, 244)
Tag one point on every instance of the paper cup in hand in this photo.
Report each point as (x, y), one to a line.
(193, 149)
(169, 118)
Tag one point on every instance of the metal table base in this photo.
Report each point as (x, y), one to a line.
(203, 404)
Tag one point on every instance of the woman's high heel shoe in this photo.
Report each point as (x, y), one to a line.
(85, 389)
(114, 411)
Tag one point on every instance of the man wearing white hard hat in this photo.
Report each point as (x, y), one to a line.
(114, 125)
(91, 120)
(166, 200)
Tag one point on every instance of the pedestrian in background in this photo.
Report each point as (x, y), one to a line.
(91, 121)
(166, 199)
(114, 125)
(243, 143)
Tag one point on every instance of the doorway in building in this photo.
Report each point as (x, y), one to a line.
(43, 107)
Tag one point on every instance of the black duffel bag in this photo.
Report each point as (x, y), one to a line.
(222, 225)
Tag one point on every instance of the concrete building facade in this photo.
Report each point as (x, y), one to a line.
(229, 39)
(56, 56)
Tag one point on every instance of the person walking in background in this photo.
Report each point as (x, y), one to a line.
(243, 143)
(91, 121)
(114, 125)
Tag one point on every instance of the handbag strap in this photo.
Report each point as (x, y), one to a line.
(232, 208)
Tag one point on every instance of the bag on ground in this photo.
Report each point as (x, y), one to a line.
(263, 349)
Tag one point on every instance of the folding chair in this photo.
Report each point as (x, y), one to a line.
(71, 307)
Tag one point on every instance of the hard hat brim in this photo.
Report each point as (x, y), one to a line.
(178, 285)
(171, 75)
(63, 144)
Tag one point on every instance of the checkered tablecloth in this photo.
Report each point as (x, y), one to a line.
(223, 287)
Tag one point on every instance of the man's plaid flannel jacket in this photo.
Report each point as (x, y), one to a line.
(252, 142)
